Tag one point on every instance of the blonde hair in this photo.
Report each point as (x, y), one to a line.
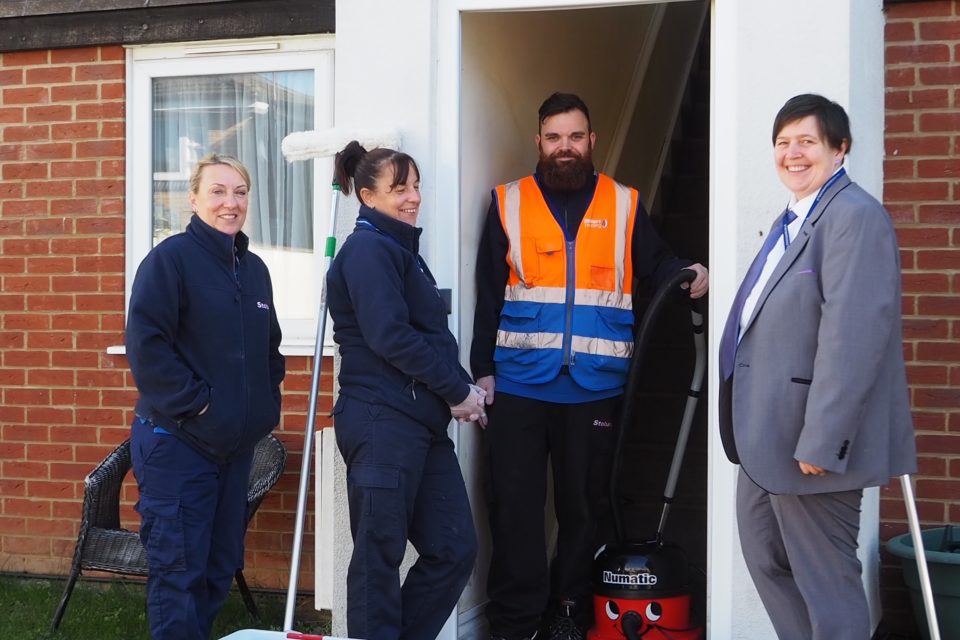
(212, 159)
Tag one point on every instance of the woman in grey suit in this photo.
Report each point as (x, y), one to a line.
(813, 392)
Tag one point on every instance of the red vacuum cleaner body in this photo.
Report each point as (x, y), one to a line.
(641, 590)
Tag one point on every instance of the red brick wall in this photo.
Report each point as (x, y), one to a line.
(922, 193)
(64, 402)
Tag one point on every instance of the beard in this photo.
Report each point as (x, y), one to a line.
(565, 176)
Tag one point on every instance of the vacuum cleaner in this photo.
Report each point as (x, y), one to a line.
(642, 588)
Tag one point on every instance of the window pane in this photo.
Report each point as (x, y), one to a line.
(245, 115)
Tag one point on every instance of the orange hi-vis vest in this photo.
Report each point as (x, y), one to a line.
(567, 302)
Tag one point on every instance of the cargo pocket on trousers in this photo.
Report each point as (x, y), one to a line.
(162, 533)
(373, 488)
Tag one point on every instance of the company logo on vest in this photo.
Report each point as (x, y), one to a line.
(595, 223)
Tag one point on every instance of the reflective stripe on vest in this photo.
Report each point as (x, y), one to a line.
(592, 346)
(536, 306)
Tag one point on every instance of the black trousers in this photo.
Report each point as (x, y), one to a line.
(521, 435)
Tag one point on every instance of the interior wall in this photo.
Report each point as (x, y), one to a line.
(653, 117)
(513, 60)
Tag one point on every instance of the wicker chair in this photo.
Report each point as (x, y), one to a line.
(103, 545)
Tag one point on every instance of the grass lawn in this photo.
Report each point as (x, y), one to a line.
(115, 611)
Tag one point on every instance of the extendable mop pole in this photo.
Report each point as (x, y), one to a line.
(329, 249)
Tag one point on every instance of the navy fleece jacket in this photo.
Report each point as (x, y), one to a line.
(202, 331)
(391, 323)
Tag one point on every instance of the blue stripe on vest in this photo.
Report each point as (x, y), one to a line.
(603, 322)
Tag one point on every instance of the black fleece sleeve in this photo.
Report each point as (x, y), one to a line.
(653, 261)
(491, 277)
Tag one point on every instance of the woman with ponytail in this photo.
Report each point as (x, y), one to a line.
(400, 384)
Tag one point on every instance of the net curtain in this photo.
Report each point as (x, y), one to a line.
(247, 116)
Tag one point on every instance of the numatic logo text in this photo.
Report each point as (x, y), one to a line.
(639, 579)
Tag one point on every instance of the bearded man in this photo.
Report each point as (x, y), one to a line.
(552, 341)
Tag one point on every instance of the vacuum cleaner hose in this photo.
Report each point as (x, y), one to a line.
(669, 288)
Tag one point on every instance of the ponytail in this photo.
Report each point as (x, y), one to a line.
(356, 169)
(345, 165)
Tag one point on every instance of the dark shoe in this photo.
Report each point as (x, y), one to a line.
(563, 627)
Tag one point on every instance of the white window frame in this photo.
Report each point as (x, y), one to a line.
(146, 62)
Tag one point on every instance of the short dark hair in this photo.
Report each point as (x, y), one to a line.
(358, 168)
(562, 103)
(831, 118)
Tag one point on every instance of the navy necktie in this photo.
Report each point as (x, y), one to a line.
(731, 330)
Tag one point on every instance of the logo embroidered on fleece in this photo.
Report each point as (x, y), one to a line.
(602, 423)
(262, 305)
(595, 223)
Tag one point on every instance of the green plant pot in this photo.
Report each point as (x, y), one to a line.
(944, 568)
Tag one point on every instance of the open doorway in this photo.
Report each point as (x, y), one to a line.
(644, 71)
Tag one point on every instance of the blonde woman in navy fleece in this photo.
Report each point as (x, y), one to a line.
(400, 382)
(203, 344)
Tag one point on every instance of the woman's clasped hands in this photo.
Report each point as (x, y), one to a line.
(472, 408)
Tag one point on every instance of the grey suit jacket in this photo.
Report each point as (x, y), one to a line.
(819, 375)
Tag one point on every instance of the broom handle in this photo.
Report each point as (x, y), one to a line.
(329, 249)
(925, 586)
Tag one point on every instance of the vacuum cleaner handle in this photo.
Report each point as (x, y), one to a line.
(629, 407)
(693, 397)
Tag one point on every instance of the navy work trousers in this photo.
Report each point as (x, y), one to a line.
(521, 435)
(403, 483)
(193, 520)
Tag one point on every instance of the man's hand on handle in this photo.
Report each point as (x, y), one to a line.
(698, 288)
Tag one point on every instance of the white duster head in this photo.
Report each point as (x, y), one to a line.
(304, 145)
